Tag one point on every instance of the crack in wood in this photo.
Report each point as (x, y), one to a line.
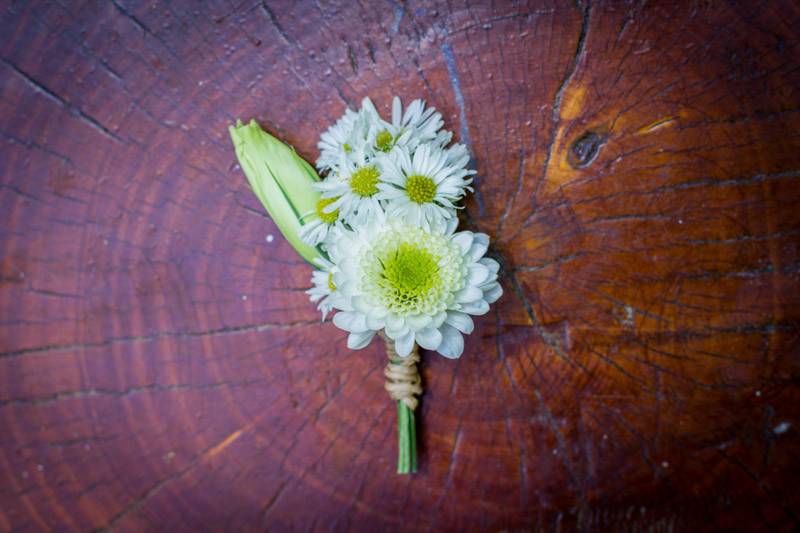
(455, 82)
(233, 330)
(42, 89)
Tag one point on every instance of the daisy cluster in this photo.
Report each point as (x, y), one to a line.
(386, 222)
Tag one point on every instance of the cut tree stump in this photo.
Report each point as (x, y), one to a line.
(638, 173)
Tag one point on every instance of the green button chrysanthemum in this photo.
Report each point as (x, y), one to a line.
(411, 272)
(418, 285)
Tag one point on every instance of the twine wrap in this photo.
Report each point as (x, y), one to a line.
(403, 381)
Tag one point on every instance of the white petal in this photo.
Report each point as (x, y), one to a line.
(469, 294)
(451, 226)
(421, 160)
(477, 274)
(338, 203)
(394, 322)
(350, 321)
(464, 240)
(387, 192)
(375, 322)
(394, 177)
(478, 307)
(349, 288)
(404, 344)
(397, 111)
(452, 342)
(404, 138)
(378, 312)
(479, 246)
(367, 104)
(491, 264)
(418, 322)
(343, 320)
(429, 338)
(342, 302)
(360, 304)
(404, 162)
(461, 321)
(356, 341)
(396, 333)
(439, 319)
(492, 293)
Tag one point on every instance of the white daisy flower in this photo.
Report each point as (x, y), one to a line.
(320, 223)
(419, 286)
(335, 140)
(355, 188)
(342, 138)
(423, 189)
(324, 291)
(410, 129)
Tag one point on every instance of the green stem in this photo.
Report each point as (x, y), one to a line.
(412, 425)
(406, 440)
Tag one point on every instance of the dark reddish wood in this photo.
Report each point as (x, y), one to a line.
(638, 168)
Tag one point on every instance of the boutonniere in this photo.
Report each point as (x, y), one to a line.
(380, 227)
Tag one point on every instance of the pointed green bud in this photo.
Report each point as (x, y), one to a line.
(280, 178)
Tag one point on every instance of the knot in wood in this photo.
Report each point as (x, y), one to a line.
(584, 149)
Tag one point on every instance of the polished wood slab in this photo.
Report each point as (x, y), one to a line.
(639, 175)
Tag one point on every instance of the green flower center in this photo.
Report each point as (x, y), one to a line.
(384, 141)
(364, 181)
(331, 284)
(409, 272)
(346, 148)
(328, 218)
(420, 189)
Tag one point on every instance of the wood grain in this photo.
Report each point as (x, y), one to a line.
(638, 170)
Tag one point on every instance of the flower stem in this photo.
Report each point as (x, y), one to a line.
(403, 383)
(406, 440)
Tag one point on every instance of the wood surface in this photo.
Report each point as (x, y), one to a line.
(638, 163)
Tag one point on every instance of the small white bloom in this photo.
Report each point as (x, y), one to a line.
(355, 188)
(410, 129)
(418, 285)
(349, 132)
(423, 189)
(324, 289)
(335, 140)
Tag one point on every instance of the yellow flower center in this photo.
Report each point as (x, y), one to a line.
(347, 148)
(331, 284)
(328, 218)
(364, 181)
(420, 189)
(384, 141)
(409, 272)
